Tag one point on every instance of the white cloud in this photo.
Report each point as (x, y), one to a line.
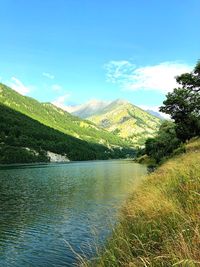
(118, 70)
(60, 101)
(48, 75)
(160, 77)
(18, 86)
(56, 87)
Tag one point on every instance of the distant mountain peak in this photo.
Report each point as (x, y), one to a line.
(94, 103)
(121, 101)
(91, 107)
(127, 121)
(155, 113)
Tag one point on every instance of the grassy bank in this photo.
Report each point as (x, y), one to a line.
(160, 222)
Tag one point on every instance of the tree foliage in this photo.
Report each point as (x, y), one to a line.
(183, 104)
(164, 143)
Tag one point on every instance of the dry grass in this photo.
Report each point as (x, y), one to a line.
(160, 222)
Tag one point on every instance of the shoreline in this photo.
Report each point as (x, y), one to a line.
(61, 163)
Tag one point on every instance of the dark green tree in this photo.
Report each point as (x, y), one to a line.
(164, 143)
(183, 104)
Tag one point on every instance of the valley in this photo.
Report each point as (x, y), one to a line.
(30, 130)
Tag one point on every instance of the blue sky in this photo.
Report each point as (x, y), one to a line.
(71, 51)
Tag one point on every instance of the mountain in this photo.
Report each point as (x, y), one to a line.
(103, 114)
(93, 107)
(127, 121)
(78, 133)
(155, 113)
(24, 140)
(88, 109)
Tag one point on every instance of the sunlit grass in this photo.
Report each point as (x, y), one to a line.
(160, 222)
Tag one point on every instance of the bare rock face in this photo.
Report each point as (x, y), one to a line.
(105, 123)
(57, 157)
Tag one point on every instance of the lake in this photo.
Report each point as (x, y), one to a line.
(50, 211)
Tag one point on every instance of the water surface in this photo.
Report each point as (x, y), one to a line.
(44, 208)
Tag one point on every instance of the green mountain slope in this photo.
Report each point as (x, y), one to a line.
(58, 119)
(127, 121)
(24, 140)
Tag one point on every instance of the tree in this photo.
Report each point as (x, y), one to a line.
(183, 104)
(164, 143)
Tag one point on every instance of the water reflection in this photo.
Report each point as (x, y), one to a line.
(43, 205)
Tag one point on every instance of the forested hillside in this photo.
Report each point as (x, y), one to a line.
(58, 119)
(24, 140)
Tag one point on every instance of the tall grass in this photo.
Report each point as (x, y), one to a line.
(160, 222)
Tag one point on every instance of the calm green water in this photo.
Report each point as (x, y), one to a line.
(45, 207)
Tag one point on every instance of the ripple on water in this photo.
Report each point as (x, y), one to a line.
(44, 208)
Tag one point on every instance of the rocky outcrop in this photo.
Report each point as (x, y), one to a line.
(57, 157)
